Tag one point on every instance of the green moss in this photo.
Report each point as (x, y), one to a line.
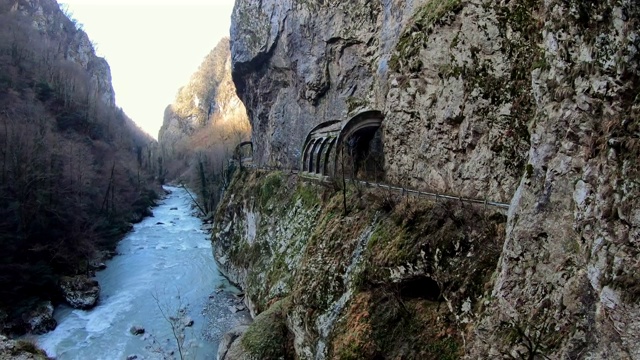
(307, 194)
(529, 171)
(354, 103)
(278, 270)
(267, 336)
(24, 346)
(270, 186)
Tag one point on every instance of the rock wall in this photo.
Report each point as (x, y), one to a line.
(299, 63)
(392, 277)
(567, 278)
(76, 45)
(209, 95)
(529, 102)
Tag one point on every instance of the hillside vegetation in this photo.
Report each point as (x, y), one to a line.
(202, 128)
(74, 169)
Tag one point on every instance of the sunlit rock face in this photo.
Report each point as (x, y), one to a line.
(528, 102)
(209, 96)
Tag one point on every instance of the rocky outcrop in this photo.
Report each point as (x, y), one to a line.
(80, 291)
(19, 350)
(40, 319)
(136, 330)
(358, 285)
(529, 102)
(209, 97)
(230, 344)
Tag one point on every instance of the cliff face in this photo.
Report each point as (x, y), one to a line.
(209, 96)
(75, 45)
(202, 128)
(393, 277)
(528, 102)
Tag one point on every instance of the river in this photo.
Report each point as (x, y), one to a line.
(165, 257)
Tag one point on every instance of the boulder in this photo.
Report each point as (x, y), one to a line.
(229, 348)
(136, 330)
(40, 319)
(80, 291)
(187, 321)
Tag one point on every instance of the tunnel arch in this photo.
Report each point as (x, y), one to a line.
(316, 151)
(360, 138)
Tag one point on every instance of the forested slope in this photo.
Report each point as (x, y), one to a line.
(74, 169)
(202, 127)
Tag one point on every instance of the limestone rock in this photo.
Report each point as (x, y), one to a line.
(533, 103)
(20, 350)
(187, 321)
(80, 291)
(229, 348)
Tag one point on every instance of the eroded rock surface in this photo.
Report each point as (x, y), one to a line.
(80, 291)
(529, 102)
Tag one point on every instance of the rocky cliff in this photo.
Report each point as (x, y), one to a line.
(529, 102)
(74, 44)
(202, 128)
(209, 97)
(392, 277)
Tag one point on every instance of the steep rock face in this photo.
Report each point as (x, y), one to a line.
(393, 277)
(308, 63)
(568, 280)
(298, 63)
(209, 96)
(48, 18)
(529, 102)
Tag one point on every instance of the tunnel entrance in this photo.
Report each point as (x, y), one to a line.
(362, 151)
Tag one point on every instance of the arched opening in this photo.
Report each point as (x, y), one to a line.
(319, 157)
(312, 155)
(306, 156)
(361, 150)
(328, 158)
(244, 151)
(316, 147)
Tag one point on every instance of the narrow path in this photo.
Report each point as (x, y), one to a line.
(504, 207)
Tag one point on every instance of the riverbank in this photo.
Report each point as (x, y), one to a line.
(164, 263)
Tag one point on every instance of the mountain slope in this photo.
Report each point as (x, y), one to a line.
(203, 126)
(75, 170)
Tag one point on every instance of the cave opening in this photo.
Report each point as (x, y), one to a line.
(422, 287)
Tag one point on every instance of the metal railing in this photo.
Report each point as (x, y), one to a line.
(436, 196)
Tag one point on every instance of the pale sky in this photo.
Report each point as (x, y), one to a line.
(152, 46)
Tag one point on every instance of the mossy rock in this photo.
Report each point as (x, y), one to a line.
(267, 337)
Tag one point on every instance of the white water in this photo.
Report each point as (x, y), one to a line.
(172, 261)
